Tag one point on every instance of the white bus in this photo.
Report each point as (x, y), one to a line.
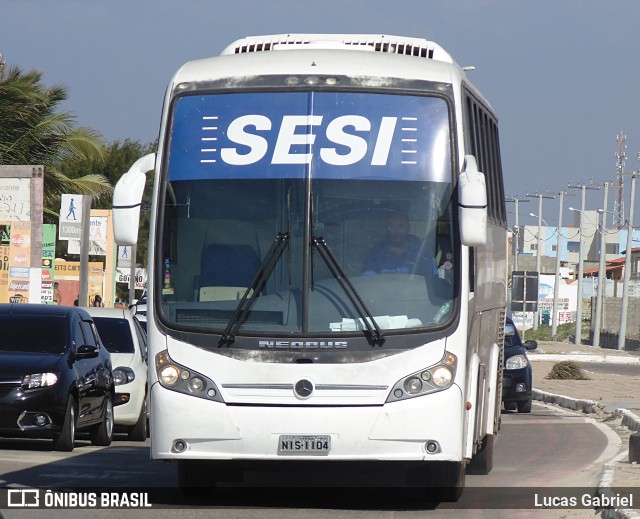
(327, 263)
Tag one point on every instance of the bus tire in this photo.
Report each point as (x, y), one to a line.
(447, 481)
(196, 477)
(482, 461)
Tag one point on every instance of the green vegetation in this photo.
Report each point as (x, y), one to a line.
(563, 332)
(567, 370)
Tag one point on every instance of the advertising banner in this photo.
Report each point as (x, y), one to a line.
(124, 275)
(48, 258)
(97, 238)
(19, 262)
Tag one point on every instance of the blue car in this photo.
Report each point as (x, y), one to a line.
(517, 377)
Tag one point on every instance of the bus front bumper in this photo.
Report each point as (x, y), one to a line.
(429, 427)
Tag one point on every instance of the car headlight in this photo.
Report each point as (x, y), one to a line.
(428, 380)
(176, 377)
(123, 375)
(39, 380)
(516, 362)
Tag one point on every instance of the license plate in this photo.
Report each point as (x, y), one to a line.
(310, 445)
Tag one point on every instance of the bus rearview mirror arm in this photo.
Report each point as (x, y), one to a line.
(127, 200)
(472, 204)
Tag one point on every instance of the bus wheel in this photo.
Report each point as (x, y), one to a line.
(446, 481)
(482, 461)
(196, 477)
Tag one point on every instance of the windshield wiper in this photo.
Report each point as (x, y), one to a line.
(373, 333)
(262, 275)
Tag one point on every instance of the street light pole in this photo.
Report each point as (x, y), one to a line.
(578, 339)
(602, 276)
(538, 253)
(556, 286)
(627, 268)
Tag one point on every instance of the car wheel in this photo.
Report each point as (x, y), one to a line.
(525, 407)
(509, 406)
(102, 434)
(139, 431)
(64, 440)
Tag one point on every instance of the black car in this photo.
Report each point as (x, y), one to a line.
(55, 375)
(517, 377)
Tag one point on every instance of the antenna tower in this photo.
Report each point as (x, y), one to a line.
(618, 209)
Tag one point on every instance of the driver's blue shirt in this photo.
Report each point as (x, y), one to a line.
(381, 259)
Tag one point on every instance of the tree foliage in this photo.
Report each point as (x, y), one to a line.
(33, 132)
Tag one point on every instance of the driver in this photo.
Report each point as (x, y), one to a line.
(401, 251)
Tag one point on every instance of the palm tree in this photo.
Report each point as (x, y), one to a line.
(32, 132)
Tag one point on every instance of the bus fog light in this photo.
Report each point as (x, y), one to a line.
(413, 385)
(211, 393)
(196, 384)
(184, 374)
(179, 446)
(442, 376)
(426, 376)
(398, 393)
(432, 447)
(521, 388)
(169, 375)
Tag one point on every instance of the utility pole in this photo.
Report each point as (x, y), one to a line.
(618, 208)
(578, 339)
(538, 249)
(516, 233)
(602, 276)
(622, 336)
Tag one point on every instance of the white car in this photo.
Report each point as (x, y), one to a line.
(126, 340)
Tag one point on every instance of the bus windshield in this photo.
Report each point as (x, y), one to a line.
(308, 213)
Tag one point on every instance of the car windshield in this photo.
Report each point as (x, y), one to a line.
(33, 333)
(115, 334)
(511, 337)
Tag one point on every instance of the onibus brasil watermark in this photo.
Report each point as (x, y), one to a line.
(39, 498)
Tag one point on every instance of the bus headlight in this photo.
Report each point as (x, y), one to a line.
(412, 385)
(442, 376)
(169, 375)
(176, 377)
(428, 380)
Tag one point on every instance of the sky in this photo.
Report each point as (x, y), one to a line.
(562, 75)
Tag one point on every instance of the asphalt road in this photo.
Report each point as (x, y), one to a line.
(549, 448)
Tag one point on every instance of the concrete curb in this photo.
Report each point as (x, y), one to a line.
(584, 357)
(629, 419)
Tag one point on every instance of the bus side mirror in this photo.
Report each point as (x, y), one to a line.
(127, 199)
(472, 204)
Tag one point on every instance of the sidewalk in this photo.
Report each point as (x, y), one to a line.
(613, 399)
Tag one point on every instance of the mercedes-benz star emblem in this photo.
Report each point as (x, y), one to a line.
(303, 388)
